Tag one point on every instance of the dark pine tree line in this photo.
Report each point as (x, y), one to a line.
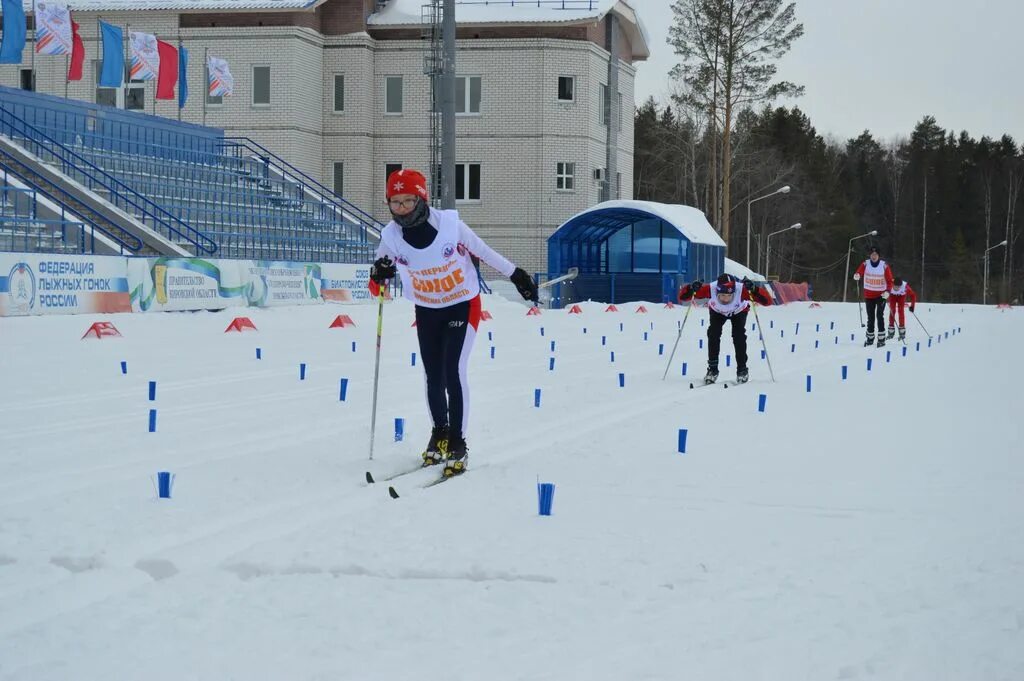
(937, 199)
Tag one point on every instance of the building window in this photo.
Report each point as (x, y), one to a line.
(261, 86)
(603, 106)
(566, 88)
(393, 94)
(467, 182)
(339, 92)
(105, 96)
(339, 178)
(132, 95)
(28, 80)
(388, 169)
(467, 94)
(565, 176)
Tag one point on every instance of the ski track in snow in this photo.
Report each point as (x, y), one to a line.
(868, 530)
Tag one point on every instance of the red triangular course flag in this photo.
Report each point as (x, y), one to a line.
(240, 324)
(341, 321)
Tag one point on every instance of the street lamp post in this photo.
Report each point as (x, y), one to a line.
(768, 247)
(984, 287)
(780, 190)
(849, 247)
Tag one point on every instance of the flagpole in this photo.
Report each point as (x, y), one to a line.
(126, 78)
(157, 82)
(178, 93)
(67, 65)
(206, 84)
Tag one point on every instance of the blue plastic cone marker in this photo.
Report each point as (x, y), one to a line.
(888, 356)
(815, 345)
(684, 368)
(792, 348)
(852, 336)
(551, 364)
(302, 371)
(536, 397)
(904, 350)
(152, 420)
(620, 326)
(682, 440)
(604, 340)
(808, 383)
(817, 328)
(622, 380)
(762, 354)
(652, 326)
(490, 336)
(753, 326)
(152, 391)
(728, 360)
(343, 389)
(661, 348)
(492, 352)
(771, 323)
(645, 335)
(584, 329)
(552, 346)
(844, 372)
(947, 334)
(613, 355)
(837, 340)
(124, 367)
(831, 326)
(918, 348)
(869, 364)
(782, 333)
(164, 483)
(700, 343)
(259, 353)
(702, 322)
(353, 346)
(412, 359)
(929, 342)
(761, 400)
(542, 330)
(399, 429)
(797, 332)
(545, 497)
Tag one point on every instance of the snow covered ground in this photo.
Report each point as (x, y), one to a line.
(869, 529)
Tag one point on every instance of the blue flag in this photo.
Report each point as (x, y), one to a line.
(112, 72)
(182, 80)
(13, 40)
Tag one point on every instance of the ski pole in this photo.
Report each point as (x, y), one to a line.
(860, 311)
(922, 325)
(765, 347)
(376, 367)
(678, 336)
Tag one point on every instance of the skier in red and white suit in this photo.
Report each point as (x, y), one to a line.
(877, 282)
(729, 299)
(898, 295)
(431, 251)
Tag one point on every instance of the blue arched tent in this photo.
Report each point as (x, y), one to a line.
(635, 250)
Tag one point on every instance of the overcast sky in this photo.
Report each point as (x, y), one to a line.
(884, 64)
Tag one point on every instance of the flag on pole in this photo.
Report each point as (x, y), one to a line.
(112, 71)
(12, 42)
(53, 28)
(145, 59)
(167, 78)
(221, 83)
(182, 79)
(77, 53)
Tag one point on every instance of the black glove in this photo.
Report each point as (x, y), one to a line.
(751, 286)
(911, 309)
(382, 270)
(695, 286)
(524, 284)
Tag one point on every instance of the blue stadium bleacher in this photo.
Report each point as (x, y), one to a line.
(209, 194)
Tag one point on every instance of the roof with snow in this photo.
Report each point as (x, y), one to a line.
(405, 13)
(585, 240)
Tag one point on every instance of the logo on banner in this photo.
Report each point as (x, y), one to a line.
(448, 250)
(21, 288)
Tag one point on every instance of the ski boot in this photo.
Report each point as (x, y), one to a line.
(890, 333)
(458, 457)
(881, 340)
(712, 375)
(742, 375)
(903, 333)
(437, 448)
(870, 340)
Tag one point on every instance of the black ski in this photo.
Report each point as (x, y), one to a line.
(370, 479)
(435, 481)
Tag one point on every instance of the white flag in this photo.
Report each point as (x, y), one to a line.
(145, 57)
(222, 83)
(53, 28)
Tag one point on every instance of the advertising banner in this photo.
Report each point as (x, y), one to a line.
(271, 283)
(46, 283)
(345, 283)
(174, 283)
